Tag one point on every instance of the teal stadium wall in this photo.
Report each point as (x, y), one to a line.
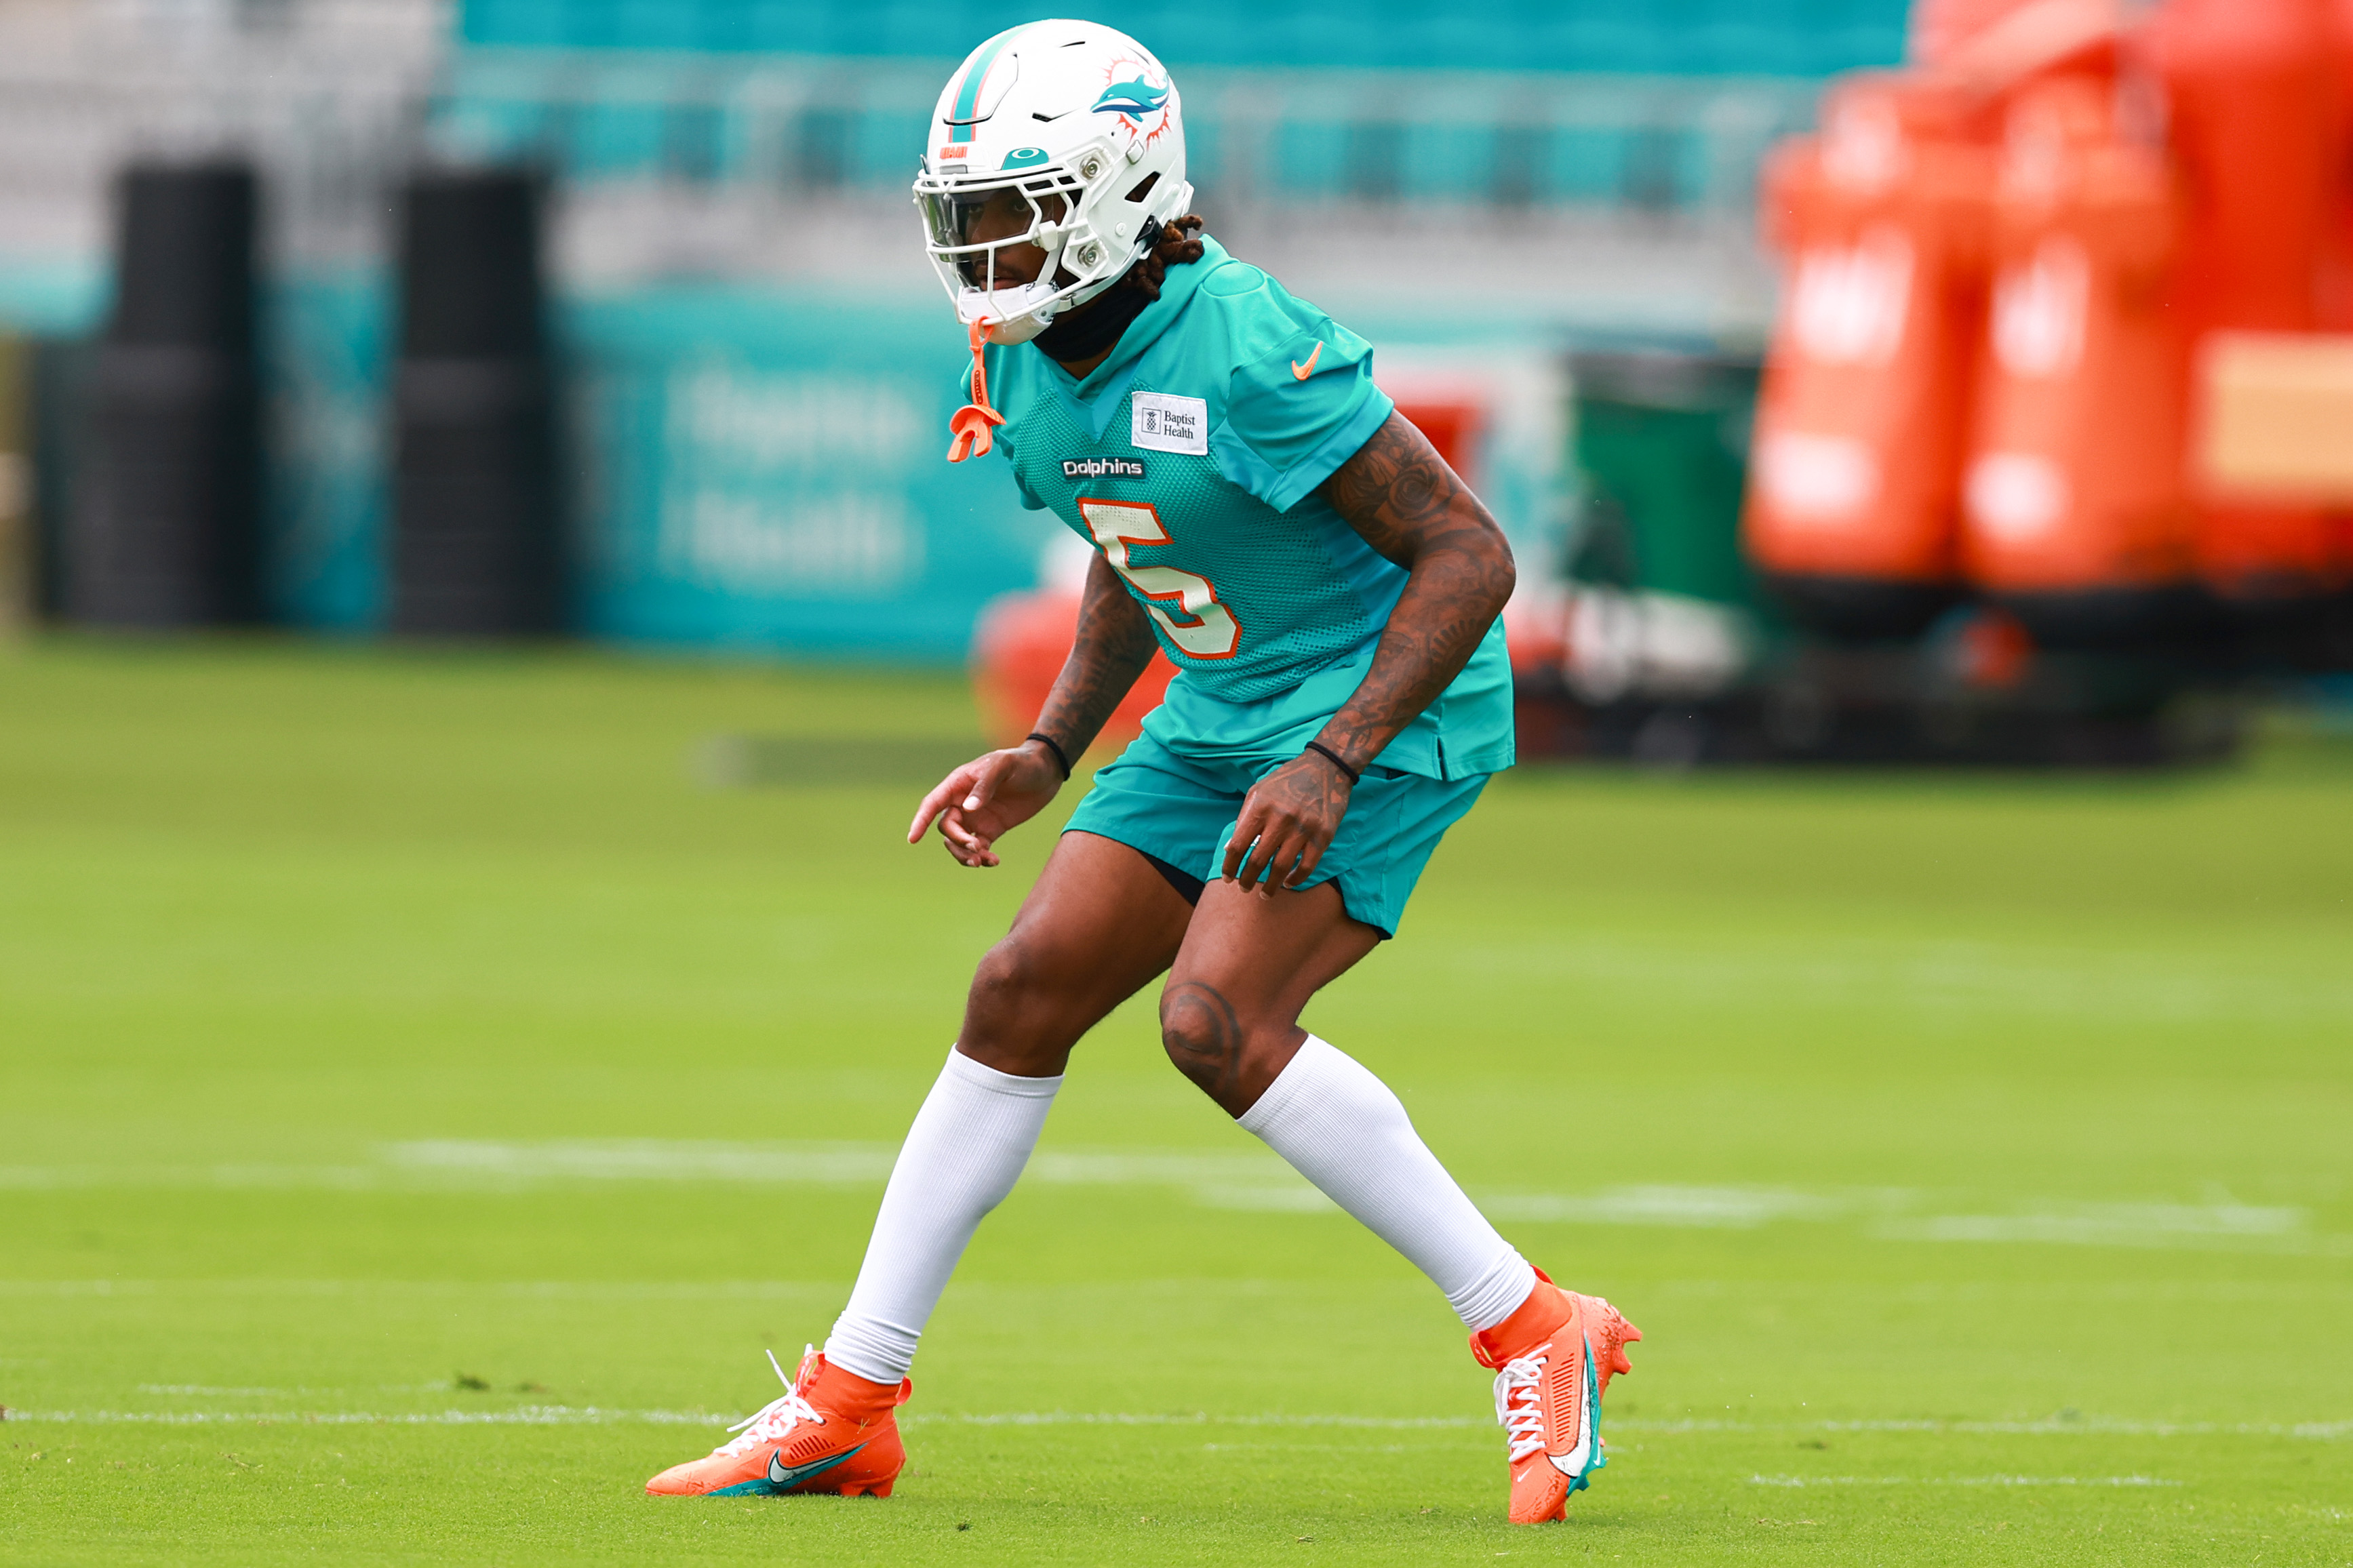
(768, 471)
(1740, 38)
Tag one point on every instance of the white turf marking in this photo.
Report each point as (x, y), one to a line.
(1714, 1208)
(1959, 1481)
(647, 1160)
(2094, 1425)
(199, 1388)
(529, 1415)
(1300, 1199)
(596, 1415)
(593, 1415)
(1237, 1181)
(1199, 1418)
(437, 1290)
(1240, 1180)
(1941, 977)
(2111, 1225)
(859, 1164)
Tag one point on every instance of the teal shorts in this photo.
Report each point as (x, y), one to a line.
(1181, 811)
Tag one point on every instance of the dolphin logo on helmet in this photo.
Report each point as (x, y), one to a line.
(1133, 99)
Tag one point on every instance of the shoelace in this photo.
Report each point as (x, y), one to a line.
(774, 1421)
(1516, 1401)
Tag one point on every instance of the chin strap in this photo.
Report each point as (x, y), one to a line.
(970, 428)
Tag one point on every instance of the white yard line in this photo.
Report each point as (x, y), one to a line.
(532, 1416)
(1959, 1481)
(2087, 1426)
(509, 1289)
(597, 1416)
(1238, 1180)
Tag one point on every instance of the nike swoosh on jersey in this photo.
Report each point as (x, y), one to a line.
(1304, 371)
(783, 1475)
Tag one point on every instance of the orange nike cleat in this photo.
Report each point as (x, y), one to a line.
(831, 1431)
(1553, 1359)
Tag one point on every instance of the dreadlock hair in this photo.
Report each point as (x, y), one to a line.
(1177, 244)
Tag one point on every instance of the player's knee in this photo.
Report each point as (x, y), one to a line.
(1204, 1035)
(1007, 979)
(1005, 1020)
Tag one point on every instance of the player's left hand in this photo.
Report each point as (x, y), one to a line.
(1289, 819)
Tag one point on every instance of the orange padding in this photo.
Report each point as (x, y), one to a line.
(970, 427)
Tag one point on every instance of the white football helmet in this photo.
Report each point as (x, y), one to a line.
(1072, 126)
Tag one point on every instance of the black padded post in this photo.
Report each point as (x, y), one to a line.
(476, 536)
(166, 528)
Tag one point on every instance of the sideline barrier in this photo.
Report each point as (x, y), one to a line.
(745, 469)
(163, 533)
(756, 469)
(2256, 112)
(476, 543)
(1855, 473)
(2075, 518)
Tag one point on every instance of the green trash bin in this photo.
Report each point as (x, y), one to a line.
(1662, 446)
(1662, 606)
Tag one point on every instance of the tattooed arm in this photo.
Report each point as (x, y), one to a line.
(989, 796)
(1114, 643)
(1399, 495)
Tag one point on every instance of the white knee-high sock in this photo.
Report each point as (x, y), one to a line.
(1341, 1128)
(962, 1156)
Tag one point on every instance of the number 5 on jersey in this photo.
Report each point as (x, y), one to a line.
(1209, 630)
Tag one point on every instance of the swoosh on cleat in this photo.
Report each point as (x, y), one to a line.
(1581, 1461)
(783, 1476)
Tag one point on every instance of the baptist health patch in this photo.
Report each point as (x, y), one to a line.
(1101, 469)
(1163, 423)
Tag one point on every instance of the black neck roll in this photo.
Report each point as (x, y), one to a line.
(1077, 336)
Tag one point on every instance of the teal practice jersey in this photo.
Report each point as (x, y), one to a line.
(1191, 458)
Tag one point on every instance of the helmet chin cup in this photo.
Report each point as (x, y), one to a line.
(1009, 315)
(1019, 330)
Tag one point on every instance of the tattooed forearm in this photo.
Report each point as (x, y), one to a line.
(1114, 643)
(1401, 496)
(1204, 1037)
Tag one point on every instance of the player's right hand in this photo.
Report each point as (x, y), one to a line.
(988, 798)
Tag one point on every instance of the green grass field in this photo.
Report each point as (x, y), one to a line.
(423, 1100)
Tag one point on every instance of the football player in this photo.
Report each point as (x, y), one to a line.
(1329, 591)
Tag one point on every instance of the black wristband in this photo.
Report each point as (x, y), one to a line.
(1059, 755)
(1329, 755)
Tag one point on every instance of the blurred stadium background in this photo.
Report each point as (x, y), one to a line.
(674, 238)
(737, 297)
(687, 242)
